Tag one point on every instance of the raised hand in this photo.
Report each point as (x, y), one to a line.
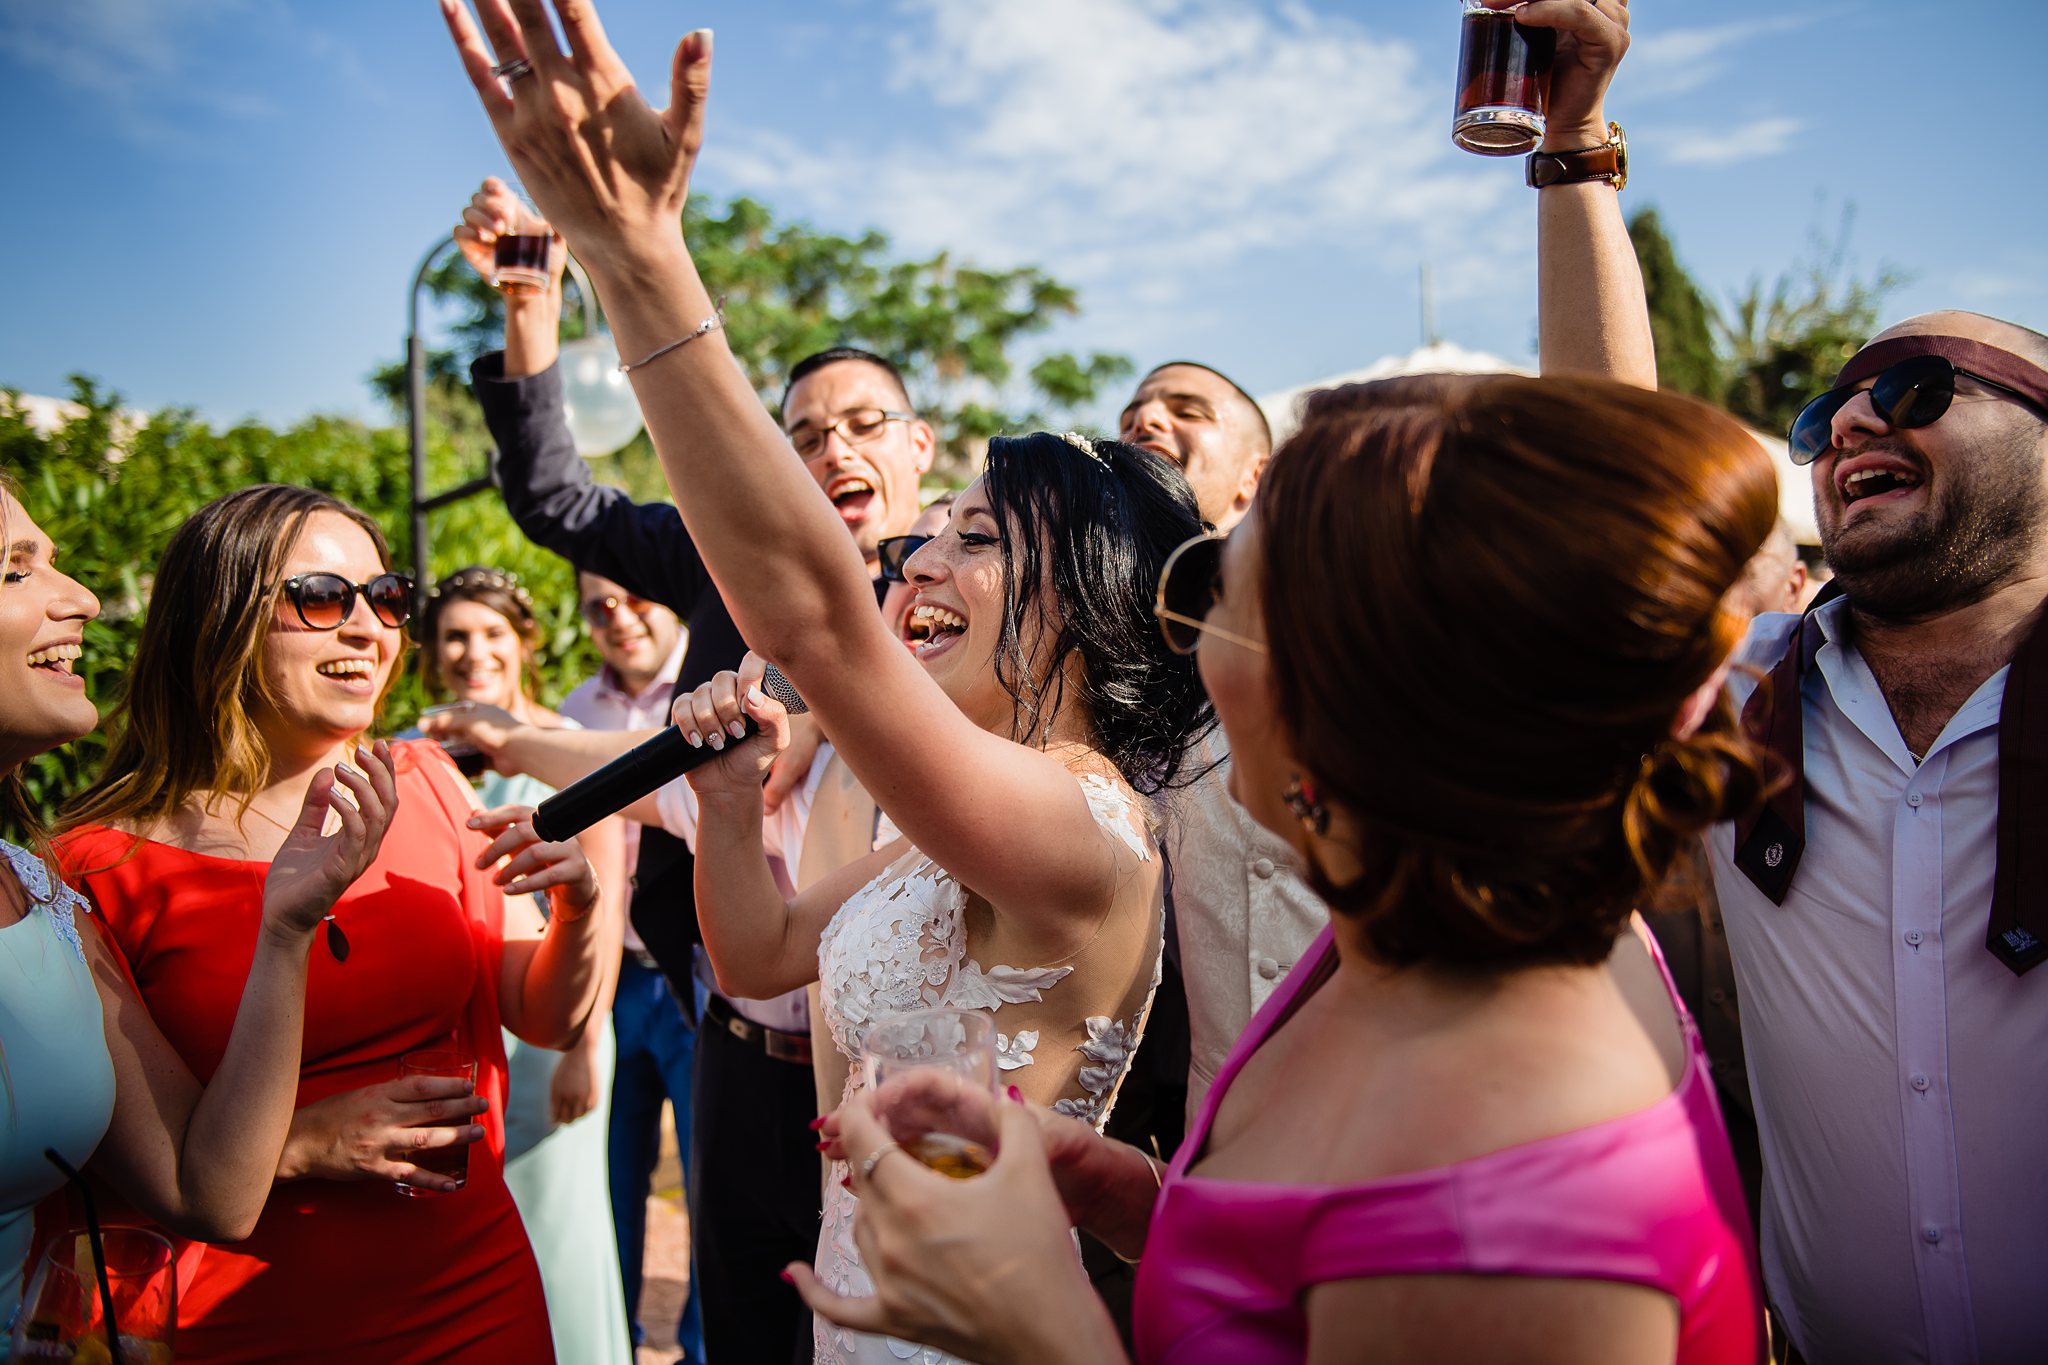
(527, 863)
(494, 211)
(1592, 35)
(313, 868)
(609, 172)
(715, 713)
(373, 1133)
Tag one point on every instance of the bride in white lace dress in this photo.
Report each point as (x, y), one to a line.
(1029, 884)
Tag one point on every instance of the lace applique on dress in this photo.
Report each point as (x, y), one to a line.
(900, 943)
(35, 880)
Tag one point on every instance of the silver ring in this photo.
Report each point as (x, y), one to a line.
(867, 1168)
(512, 70)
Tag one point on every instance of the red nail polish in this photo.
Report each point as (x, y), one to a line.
(1016, 1094)
(815, 1124)
(823, 1145)
(786, 1277)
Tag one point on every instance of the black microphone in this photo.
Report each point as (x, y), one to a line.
(647, 766)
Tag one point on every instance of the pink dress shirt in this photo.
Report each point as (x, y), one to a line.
(1650, 1198)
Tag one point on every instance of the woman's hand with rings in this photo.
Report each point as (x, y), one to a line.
(609, 172)
(983, 1268)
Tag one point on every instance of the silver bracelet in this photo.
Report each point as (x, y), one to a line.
(710, 324)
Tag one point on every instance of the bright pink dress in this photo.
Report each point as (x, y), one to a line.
(1650, 1198)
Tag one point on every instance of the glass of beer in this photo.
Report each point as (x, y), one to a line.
(932, 1074)
(521, 261)
(1503, 82)
(451, 1161)
(63, 1313)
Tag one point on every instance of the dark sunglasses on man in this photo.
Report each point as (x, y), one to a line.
(324, 600)
(1912, 382)
(1187, 593)
(599, 610)
(893, 551)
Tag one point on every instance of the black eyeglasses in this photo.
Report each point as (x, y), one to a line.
(894, 551)
(324, 600)
(1187, 593)
(1915, 392)
(598, 611)
(856, 428)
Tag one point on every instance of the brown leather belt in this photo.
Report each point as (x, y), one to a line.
(783, 1047)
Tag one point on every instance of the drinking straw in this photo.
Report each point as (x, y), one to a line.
(99, 1250)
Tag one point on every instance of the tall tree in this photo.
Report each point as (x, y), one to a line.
(791, 290)
(1681, 318)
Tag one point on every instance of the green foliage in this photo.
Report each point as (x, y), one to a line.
(791, 291)
(1681, 319)
(1772, 346)
(109, 493)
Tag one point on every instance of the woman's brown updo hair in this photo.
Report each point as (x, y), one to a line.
(1488, 598)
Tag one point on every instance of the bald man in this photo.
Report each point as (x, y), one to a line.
(1880, 913)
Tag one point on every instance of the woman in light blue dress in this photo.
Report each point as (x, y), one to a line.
(83, 1070)
(481, 636)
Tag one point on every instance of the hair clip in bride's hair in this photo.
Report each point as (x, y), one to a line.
(1085, 446)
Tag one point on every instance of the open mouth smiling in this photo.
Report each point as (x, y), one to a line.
(58, 657)
(931, 628)
(1869, 477)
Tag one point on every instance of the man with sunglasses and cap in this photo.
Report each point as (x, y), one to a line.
(1887, 909)
(753, 1168)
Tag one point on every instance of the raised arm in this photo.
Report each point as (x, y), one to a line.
(612, 175)
(1592, 315)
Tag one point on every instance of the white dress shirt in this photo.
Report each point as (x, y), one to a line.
(600, 703)
(782, 839)
(1240, 910)
(1897, 1066)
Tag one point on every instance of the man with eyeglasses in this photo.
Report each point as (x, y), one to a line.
(1886, 910)
(641, 644)
(753, 1169)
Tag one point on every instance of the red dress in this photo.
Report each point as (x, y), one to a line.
(343, 1271)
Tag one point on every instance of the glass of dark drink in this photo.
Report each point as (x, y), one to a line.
(1503, 82)
(932, 1074)
(451, 1161)
(522, 263)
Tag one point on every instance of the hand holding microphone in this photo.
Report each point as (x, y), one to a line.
(720, 716)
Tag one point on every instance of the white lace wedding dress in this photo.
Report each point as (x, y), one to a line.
(900, 944)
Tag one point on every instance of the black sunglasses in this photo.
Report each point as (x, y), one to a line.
(324, 600)
(1915, 392)
(892, 551)
(1187, 593)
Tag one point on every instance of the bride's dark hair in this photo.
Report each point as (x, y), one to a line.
(1086, 526)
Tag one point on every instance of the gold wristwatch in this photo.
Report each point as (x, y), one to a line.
(1608, 161)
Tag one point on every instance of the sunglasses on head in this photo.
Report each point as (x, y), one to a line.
(324, 600)
(893, 551)
(1913, 381)
(598, 611)
(1188, 583)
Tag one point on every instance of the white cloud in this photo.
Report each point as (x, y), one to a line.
(1684, 59)
(1138, 147)
(1725, 146)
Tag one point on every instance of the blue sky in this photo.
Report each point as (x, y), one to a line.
(219, 203)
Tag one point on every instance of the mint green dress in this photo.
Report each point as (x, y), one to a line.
(558, 1176)
(58, 1080)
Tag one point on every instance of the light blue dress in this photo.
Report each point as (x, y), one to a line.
(58, 1086)
(559, 1178)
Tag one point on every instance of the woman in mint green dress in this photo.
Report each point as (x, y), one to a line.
(481, 637)
(83, 1070)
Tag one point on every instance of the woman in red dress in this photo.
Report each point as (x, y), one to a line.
(272, 638)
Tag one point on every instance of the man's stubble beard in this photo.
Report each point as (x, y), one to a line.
(1957, 551)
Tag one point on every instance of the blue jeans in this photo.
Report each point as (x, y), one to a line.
(655, 1044)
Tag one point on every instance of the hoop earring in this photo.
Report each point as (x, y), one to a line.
(1308, 808)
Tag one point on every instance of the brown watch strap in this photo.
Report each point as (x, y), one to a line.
(1608, 161)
